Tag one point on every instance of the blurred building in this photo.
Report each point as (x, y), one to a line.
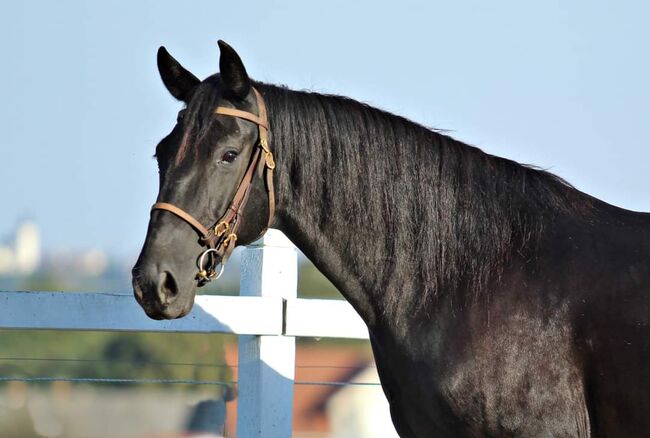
(22, 256)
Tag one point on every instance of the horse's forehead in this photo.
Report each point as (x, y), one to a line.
(207, 93)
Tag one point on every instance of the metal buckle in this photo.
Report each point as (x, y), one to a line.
(270, 163)
(218, 232)
(232, 237)
(268, 155)
(207, 275)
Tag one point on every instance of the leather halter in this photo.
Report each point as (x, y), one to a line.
(221, 237)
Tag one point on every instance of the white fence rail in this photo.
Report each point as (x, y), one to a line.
(267, 316)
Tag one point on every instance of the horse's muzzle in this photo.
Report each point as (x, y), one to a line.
(159, 295)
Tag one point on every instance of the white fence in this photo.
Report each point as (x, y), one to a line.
(267, 317)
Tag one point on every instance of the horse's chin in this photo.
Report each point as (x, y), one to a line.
(167, 312)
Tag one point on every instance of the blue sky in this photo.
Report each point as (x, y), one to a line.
(563, 85)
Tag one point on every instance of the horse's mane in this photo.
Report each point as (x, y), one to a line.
(414, 198)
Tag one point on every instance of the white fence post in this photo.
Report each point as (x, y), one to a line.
(269, 268)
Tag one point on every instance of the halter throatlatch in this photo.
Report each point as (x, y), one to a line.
(221, 238)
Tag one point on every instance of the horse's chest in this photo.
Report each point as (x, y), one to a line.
(487, 384)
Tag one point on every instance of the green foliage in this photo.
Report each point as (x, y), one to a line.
(44, 281)
(169, 356)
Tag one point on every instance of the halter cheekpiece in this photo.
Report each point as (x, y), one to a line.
(220, 239)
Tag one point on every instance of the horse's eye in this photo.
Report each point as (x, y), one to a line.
(229, 157)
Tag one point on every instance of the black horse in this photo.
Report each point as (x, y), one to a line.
(500, 300)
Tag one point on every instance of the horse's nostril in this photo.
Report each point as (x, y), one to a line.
(167, 288)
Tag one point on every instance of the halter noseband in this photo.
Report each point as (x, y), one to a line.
(220, 238)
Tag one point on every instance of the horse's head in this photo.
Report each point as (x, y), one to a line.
(212, 194)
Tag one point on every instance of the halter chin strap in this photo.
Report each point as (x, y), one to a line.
(220, 239)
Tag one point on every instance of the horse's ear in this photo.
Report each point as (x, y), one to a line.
(233, 73)
(180, 82)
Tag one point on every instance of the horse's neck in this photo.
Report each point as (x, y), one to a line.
(379, 205)
(346, 241)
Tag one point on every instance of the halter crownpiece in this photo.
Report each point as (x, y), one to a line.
(220, 239)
